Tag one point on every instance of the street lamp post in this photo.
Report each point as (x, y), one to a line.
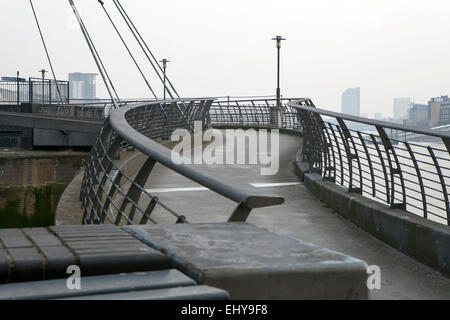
(164, 62)
(278, 39)
(43, 71)
(18, 88)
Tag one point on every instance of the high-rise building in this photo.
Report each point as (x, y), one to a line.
(82, 86)
(401, 106)
(437, 113)
(351, 101)
(418, 115)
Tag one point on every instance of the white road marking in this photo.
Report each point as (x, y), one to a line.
(255, 184)
(277, 184)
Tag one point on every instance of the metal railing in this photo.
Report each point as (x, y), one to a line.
(379, 162)
(14, 92)
(35, 90)
(254, 113)
(71, 111)
(110, 195)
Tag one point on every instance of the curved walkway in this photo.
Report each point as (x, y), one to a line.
(304, 217)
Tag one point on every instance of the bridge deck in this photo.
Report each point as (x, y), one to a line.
(303, 217)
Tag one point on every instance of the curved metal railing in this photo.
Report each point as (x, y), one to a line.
(255, 113)
(110, 195)
(380, 160)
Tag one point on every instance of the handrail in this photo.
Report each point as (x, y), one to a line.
(404, 174)
(385, 124)
(103, 195)
(246, 195)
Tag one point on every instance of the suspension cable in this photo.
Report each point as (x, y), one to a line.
(140, 44)
(96, 56)
(118, 4)
(136, 33)
(129, 52)
(46, 52)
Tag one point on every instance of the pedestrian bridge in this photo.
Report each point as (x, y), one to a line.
(369, 199)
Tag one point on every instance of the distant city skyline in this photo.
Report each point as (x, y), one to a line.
(378, 46)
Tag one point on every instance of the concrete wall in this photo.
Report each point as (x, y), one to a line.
(27, 138)
(55, 138)
(16, 137)
(31, 186)
(39, 169)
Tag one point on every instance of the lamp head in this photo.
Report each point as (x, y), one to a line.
(43, 71)
(164, 62)
(278, 39)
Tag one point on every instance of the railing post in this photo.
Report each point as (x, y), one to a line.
(339, 153)
(325, 146)
(442, 180)
(447, 143)
(30, 91)
(50, 91)
(397, 171)
(18, 89)
(383, 166)
(419, 178)
(347, 138)
(309, 148)
(369, 161)
(135, 190)
(68, 93)
(240, 213)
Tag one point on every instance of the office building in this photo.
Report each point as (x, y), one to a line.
(82, 86)
(401, 106)
(438, 110)
(351, 101)
(418, 115)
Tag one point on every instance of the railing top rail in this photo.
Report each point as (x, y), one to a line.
(215, 99)
(380, 123)
(248, 195)
(256, 99)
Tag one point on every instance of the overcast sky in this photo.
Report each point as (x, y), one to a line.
(393, 48)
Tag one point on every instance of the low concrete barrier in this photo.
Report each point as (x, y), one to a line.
(424, 240)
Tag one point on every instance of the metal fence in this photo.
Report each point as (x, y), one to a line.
(254, 113)
(35, 90)
(71, 111)
(383, 162)
(110, 195)
(380, 162)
